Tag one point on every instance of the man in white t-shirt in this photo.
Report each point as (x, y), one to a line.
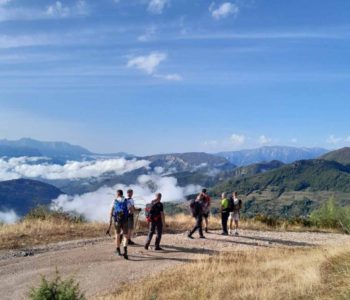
(132, 210)
(235, 214)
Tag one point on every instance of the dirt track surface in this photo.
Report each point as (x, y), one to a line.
(99, 271)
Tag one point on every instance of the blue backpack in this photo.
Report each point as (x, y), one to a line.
(121, 211)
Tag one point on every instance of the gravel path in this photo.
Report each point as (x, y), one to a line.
(98, 271)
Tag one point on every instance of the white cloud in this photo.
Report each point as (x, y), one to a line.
(58, 10)
(15, 168)
(224, 10)
(332, 139)
(264, 140)
(237, 139)
(147, 63)
(294, 140)
(170, 77)
(157, 6)
(148, 35)
(95, 206)
(8, 217)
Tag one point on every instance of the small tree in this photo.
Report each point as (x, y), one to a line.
(57, 289)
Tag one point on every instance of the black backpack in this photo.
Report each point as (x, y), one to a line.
(151, 211)
(231, 205)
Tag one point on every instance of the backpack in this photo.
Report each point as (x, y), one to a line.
(196, 207)
(121, 211)
(231, 205)
(151, 212)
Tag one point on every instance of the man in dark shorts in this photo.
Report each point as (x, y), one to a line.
(132, 210)
(206, 207)
(198, 215)
(157, 222)
(119, 226)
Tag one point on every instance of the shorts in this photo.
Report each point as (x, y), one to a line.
(131, 222)
(119, 227)
(206, 215)
(234, 216)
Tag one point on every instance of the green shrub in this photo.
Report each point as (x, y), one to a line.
(43, 212)
(332, 215)
(57, 289)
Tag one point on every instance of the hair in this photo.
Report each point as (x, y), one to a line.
(223, 195)
(235, 193)
(120, 192)
(204, 190)
(130, 191)
(159, 195)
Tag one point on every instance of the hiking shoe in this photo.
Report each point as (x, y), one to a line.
(131, 243)
(146, 247)
(190, 237)
(206, 230)
(158, 249)
(236, 233)
(126, 256)
(224, 233)
(202, 237)
(117, 252)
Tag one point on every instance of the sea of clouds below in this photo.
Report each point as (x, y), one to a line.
(95, 205)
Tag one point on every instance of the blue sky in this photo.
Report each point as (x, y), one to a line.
(151, 76)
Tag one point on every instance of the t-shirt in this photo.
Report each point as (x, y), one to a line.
(131, 203)
(224, 204)
(157, 208)
(236, 204)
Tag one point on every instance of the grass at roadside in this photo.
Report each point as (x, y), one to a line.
(255, 274)
(38, 231)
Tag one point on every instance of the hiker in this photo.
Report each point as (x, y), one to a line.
(132, 210)
(206, 208)
(119, 215)
(224, 213)
(197, 212)
(155, 217)
(235, 205)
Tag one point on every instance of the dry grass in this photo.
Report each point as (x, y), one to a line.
(256, 274)
(41, 232)
(34, 232)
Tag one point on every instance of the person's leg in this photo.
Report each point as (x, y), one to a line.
(150, 234)
(131, 229)
(224, 222)
(206, 219)
(117, 239)
(195, 227)
(159, 226)
(231, 222)
(199, 225)
(236, 224)
(126, 239)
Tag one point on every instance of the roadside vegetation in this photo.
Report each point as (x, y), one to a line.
(43, 226)
(255, 274)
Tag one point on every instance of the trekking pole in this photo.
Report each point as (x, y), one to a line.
(136, 223)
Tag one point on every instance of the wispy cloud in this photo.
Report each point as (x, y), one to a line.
(157, 6)
(337, 140)
(149, 64)
(264, 140)
(224, 10)
(56, 10)
(148, 35)
(237, 139)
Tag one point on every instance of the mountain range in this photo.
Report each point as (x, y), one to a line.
(269, 153)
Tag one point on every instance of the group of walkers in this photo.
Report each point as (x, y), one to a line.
(122, 215)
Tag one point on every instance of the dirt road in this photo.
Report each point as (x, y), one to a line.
(99, 271)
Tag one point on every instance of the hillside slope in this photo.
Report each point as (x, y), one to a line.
(21, 195)
(341, 156)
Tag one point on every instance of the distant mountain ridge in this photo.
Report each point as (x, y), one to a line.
(341, 156)
(269, 153)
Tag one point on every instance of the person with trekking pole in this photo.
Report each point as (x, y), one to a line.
(235, 206)
(156, 219)
(197, 212)
(224, 213)
(118, 215)
(132, 211)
